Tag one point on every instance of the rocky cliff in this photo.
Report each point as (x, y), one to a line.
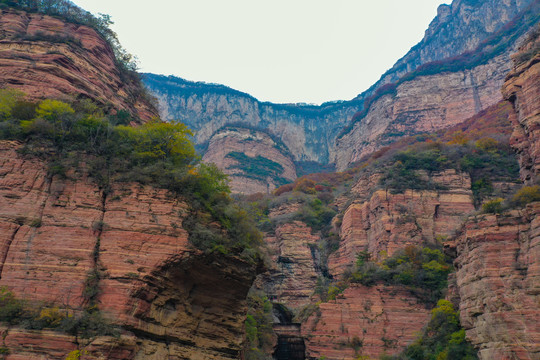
(48, 57)
(458, 28)
(498, 256)
(308, 131)
(383, 223)
(522, 91)
(454, 72)
(498, 282)
(254, 161)
(424, 104)
(62, 239)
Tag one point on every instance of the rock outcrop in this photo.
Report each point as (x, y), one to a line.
(295, 274)
(364, 321)
(168, 298)
(47, 57)
(458, 28)
(498, 256)
(498, 282)
(383, 223)
(522, 90)
(423, 104)
(254, 162)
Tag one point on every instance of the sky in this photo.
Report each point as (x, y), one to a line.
(283, 51)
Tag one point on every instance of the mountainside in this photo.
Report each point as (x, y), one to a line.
(254, 162)
(458, 28)
(58, 234)
(308, 131)
(118, 242)
(454, 72)
(49, 57)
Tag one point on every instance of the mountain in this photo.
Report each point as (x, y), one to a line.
(454, 72)
(118, 242)
(115, 243)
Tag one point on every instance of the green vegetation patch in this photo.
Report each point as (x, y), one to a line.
(36, 316)
(442, 339)
(423, 269)
(258, 168)
(485, 160)
(258, 326)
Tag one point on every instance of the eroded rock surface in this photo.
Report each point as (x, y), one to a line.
(46, 57)
(382, 223)
(267, 165)
(498, 281)
(170, 299)
(522, 90)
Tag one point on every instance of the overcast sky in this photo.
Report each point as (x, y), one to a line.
(276, 50)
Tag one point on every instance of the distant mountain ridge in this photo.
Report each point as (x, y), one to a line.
(442, 67)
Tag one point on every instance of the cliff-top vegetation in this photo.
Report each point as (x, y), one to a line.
(157, 153)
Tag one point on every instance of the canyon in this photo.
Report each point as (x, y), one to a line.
(72, 246)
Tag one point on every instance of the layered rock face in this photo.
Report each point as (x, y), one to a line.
(459, 27)
(498, 281)
(46, 57)
(264, 165)
(498, 256)
(292, 280)
(383, 223)
(424, 104)
(364, 321)
(522, 90)
(308, 131)
(169, 299)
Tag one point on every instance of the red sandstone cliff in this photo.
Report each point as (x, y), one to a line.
(522, 90)
(498, 282)
(267, 166)
(46, 57)
(169, 299)
(498, 256)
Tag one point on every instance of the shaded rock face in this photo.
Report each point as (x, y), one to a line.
(308, 131)
(498, 281)
(383, 223)
(364, 321)
(46, 57)
(295, 273)
(261, 175)
(522, 90)
(169, 299)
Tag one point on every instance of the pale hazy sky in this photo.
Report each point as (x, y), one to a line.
(280, 50)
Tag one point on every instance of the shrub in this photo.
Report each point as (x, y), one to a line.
(424, 269)
(443, 338)
(494, 206)
(11, 309)
(526, 195)
(258, 327)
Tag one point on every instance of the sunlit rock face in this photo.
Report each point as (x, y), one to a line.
(254, 161)
(168, 298)
(46, 57)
